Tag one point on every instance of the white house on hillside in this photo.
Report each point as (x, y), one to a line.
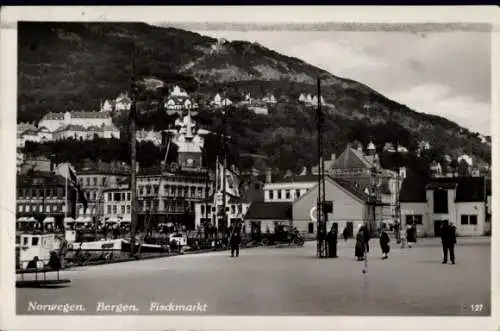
(53, 121)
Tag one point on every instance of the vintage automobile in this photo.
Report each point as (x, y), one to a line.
(284, 234)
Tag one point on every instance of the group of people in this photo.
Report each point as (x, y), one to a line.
(448, 241)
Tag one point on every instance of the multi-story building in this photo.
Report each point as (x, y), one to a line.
(79, 132)
(365, 172)
(288, 189)
(42, 194)
(166, 196)
(53, 121)
(169, 194)
(117, 204)
(95, 180)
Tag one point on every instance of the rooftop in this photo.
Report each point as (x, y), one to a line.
(269, 211)
(469, 189)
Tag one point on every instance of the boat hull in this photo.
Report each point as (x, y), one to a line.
(145, 248)
(100, 245)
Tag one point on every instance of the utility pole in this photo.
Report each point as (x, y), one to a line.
(133, 152)
(321, 215)
(224, 151)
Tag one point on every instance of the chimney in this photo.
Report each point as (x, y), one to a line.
(268, 176)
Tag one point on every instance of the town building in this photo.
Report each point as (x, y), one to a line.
(310, 100)
(42, 194)
(168, 193)
(364, 171)
(53, 121)
(219, 101)
(179, 99)
(94, 180)
(288, 189)
(79, 132)
(463, 201)
(117, 204)
(154, 137)
(351, 207)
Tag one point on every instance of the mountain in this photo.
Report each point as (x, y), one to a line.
(75, 66)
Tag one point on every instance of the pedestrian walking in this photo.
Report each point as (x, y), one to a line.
(359, 249)
(385, 244)
(235, 241)
(345, 233)
(448, 240)
(410, 235)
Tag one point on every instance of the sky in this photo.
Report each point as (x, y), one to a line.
(441, 73)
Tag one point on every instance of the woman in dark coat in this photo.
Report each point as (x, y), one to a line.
(410, 235)
(359, 250)
(384, 244)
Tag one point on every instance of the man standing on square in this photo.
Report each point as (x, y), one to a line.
(448, 240)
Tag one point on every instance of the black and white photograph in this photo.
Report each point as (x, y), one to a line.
(194, 167)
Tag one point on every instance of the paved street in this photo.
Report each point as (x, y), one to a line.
(289, 281)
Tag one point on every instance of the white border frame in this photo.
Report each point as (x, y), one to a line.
(242, 15)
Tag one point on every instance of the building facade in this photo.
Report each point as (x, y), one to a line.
(94, 181)
(462, 201)
(44, 194)
(117, 204)
(288, 189)
(53, 121)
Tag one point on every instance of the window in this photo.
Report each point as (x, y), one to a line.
(123, 209)
(54, 207)
(47, 209)
(88, 181)
(279, 194)
(128, 196)
(20, 208)
(468, 219)
(297, 193)
(202, 209)
(413, 219)
(34, 241)
(95, 181)
(103, 181)
(271, 194)
(157, 189)
(310, 227)
(27, 208)
(40, 208)
(117, 197)
(193, 191)
(115, 209)
(287, 194)
(128, 209)
(440, 201)
(233, 209)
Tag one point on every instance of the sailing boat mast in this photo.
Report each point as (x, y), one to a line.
(132, 123)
